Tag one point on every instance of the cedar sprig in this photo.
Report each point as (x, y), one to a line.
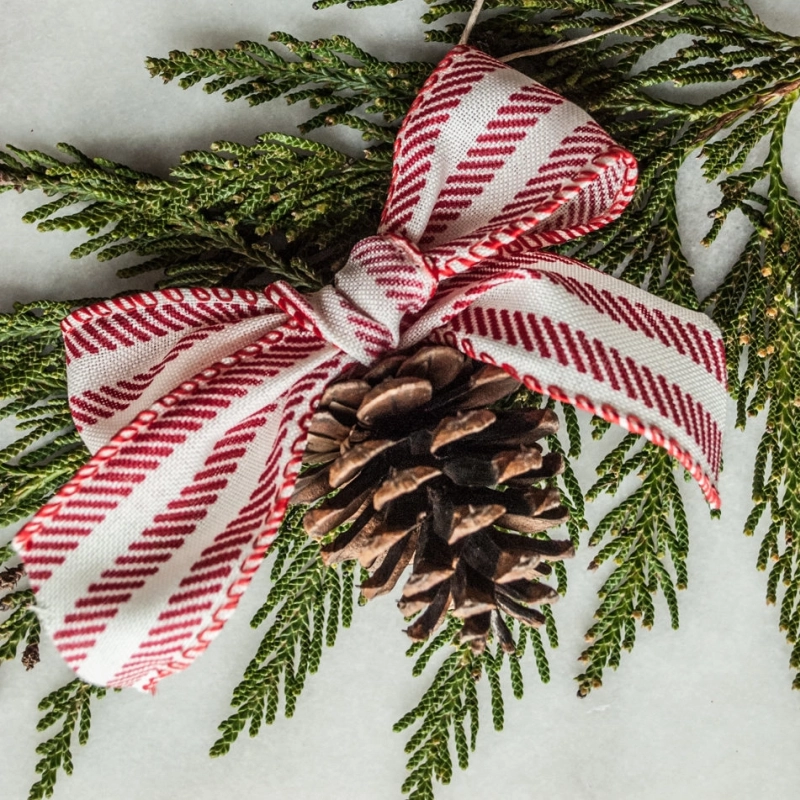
(33, 390)
(44, 456)
(757, 308)
(319, 5)
(284, 208)
(20, 623)
(10, 575)
(307, 603)
(322, 73)
(447, 712)
(70, 705)
(641, 536)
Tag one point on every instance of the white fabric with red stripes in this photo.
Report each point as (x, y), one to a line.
(195, 402)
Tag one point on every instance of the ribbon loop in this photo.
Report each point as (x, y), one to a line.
(489, 159)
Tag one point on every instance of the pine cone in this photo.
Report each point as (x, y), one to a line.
(426, 472)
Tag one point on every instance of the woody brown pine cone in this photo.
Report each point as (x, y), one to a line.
(429, 475)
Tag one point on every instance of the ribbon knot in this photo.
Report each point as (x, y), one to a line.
(196, 402)
(385, 282)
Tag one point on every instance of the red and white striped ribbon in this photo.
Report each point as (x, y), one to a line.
(195, 402)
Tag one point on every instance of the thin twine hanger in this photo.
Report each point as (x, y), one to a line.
(536, 51)
(473, 18)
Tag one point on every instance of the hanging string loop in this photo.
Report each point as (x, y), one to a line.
(550, 48)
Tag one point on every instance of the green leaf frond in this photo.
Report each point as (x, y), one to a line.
(33, 389)
(447, 713)
(306, 605)
(332, 74)
(234, 215)
(69, 705)
(640, 536)
(757, 309)
(19, 623)
(572, 498)
(319, 5)
(448, 710)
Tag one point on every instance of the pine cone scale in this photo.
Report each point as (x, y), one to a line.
(452, 429)
(433, 616)
(385, 578)
(528, 616)
(340, 508)
(470, 519)
(351, 462)
(403, 482)
(392, 398)
(349, 545)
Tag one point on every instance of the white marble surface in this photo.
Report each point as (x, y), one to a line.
(701, 713)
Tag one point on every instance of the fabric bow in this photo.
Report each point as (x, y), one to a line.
(196, 402)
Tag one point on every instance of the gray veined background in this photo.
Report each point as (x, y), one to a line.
(701, 713)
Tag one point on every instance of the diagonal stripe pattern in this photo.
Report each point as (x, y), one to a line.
(195, 402)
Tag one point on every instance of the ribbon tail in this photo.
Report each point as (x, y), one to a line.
(138, 561)
(609, 348)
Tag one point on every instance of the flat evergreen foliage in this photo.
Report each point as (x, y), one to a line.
(33, 389)
(447, 712)
(70, 705)
(20, 624)
(334, 74)
(288, 207)
(311, 602)
(640, 533)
